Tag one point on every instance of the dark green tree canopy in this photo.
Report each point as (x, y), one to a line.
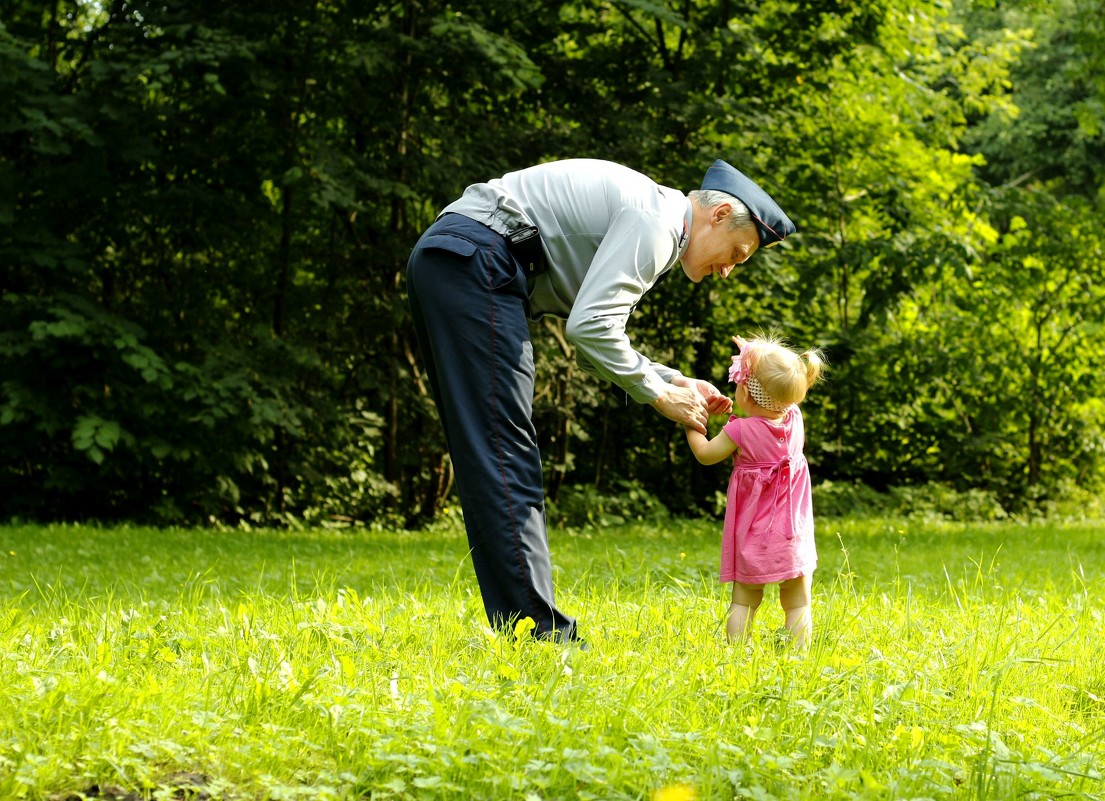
(206, 209)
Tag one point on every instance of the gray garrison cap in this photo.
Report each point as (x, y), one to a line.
(774, 225)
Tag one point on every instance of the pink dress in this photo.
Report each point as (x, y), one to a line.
(768, 535)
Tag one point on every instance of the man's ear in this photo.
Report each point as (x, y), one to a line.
(722, 211)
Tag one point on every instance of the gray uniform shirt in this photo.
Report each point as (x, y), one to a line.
(609, 233)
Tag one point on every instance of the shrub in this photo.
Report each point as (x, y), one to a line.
(931, 501)
(583, 505)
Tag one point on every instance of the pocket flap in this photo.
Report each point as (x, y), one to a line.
(453, 244)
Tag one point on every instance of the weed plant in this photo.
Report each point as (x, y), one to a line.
(949, 662)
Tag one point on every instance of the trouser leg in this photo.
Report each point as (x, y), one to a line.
(468, 298)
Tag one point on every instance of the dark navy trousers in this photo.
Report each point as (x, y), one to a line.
(468, 296)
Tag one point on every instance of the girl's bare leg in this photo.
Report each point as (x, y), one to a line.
(795, 598)
(742, 611)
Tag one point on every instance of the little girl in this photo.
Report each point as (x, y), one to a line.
(768, 535)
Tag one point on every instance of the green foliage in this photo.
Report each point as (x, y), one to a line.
(582, 506)
(134, 428)
(924, 502)
(206, 208)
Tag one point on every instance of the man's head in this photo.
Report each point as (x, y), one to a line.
(729, 227)
(723, 234)
(772, 224)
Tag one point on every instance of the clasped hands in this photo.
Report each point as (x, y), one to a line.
(690, 402)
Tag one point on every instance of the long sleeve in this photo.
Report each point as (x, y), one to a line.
(632, 256)
(609, 234)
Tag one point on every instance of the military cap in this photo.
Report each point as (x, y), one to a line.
(773, 225)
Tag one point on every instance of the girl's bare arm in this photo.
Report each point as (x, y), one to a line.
(710, 451)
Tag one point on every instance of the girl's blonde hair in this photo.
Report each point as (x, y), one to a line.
(784, 374)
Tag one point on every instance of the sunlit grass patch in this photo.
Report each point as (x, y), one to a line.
(947, 662)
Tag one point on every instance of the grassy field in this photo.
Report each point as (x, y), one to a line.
(949, 662)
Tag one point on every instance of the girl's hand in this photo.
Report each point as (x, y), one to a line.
(716, 403)
(740, 342)
(719, 404)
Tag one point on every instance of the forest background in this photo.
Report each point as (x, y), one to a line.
(206, 210)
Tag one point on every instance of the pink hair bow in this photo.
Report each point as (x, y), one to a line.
(741, 369)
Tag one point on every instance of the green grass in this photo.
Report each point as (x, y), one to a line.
(949, 662)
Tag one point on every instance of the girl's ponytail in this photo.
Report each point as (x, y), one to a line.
(784, 374)
(815, 365)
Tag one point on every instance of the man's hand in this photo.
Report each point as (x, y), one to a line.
(684, 406)
(716, 403)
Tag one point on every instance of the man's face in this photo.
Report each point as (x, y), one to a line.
(717, 248)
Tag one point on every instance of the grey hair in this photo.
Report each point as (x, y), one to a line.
(708, 198)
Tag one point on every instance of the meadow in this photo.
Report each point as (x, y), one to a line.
(950, 661)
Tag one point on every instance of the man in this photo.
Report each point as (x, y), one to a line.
(581, 239)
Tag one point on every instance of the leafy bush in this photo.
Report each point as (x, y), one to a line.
(345, 486)
(848, 499)
(931, 501)
(1070, 503)
(934, 501)
(583, 505)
